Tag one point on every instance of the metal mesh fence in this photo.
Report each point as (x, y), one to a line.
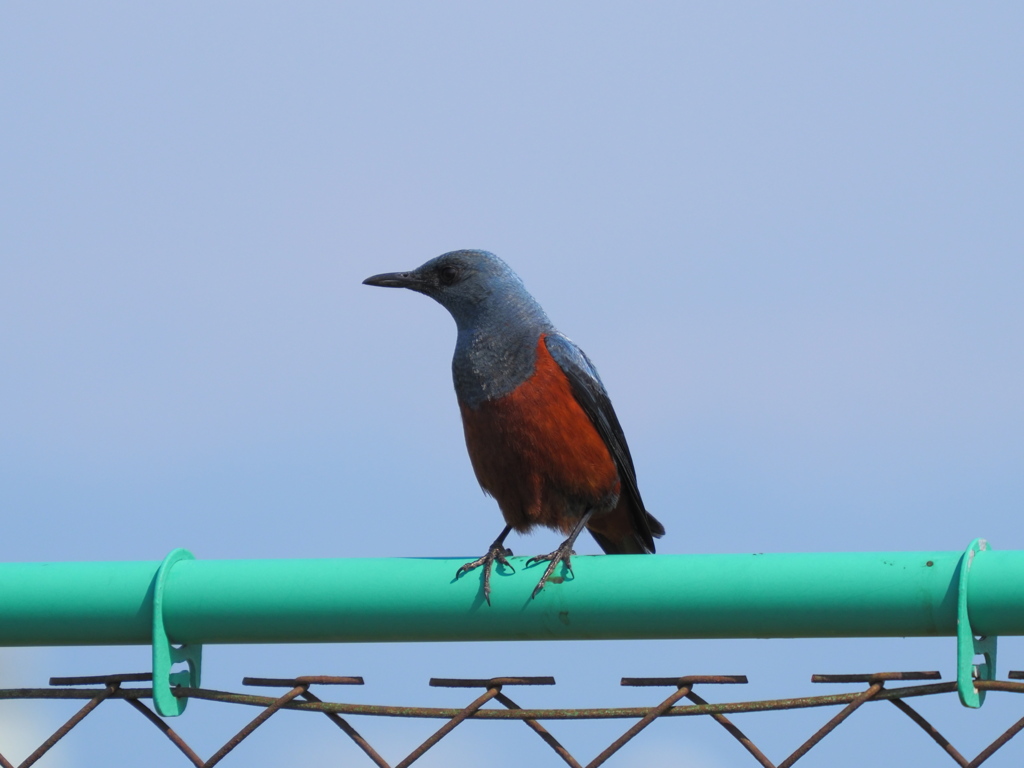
(490, 700)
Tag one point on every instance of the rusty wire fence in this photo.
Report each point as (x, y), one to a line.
(490, 700)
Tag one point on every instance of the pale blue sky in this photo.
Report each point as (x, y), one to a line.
(789, 236)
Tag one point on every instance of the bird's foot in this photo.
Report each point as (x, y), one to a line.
(497, 553)
(562, 554)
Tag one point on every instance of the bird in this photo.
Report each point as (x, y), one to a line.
(540, 430)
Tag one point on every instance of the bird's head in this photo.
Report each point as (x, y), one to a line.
(466, 283)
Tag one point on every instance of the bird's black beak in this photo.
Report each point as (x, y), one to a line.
(409, 280)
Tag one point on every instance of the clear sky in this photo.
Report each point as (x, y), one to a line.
(790, 236)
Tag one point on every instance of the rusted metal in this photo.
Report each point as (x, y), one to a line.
(458, 682)
(255, 723)
(445, 713)
(996, 745)
(130, 677)
(291, 682)
(167, 731)
(931, 730)
(876, 677)
(999, 685)
(351, 732)
(541, 731)
(298, 697)
(653, 714)
(642, 682)
(72, 693)
(75, 719)
(447, 728)
(803, 702)
(831, 725)
(735, 732)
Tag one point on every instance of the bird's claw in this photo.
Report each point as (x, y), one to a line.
(498, 553)
(562, 554)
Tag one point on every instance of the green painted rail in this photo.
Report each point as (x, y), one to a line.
(896, 594)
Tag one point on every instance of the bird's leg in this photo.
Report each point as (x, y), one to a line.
(563, 553)
(498, 551)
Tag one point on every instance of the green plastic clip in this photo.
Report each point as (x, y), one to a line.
(166, 655)
(968, 646)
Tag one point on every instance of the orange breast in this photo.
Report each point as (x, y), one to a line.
(538, 454)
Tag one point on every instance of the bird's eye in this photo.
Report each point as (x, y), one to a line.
(448, 275)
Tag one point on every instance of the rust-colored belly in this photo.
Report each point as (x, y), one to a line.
(538, 454)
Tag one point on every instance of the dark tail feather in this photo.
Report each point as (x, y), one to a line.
(635, 543)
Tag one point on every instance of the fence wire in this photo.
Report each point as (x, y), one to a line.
(682, 701)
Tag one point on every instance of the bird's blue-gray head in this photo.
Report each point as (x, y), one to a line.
(477, 288)
(499, 322)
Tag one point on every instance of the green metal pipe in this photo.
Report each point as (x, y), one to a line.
(898, 594)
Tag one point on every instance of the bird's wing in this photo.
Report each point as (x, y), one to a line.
(590, 393)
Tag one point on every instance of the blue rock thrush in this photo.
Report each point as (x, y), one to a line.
(541, 432)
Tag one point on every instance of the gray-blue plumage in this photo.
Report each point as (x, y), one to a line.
(500, 327)
(497, 343)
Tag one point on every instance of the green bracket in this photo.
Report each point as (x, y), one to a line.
(968, 646)
(166, 655)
